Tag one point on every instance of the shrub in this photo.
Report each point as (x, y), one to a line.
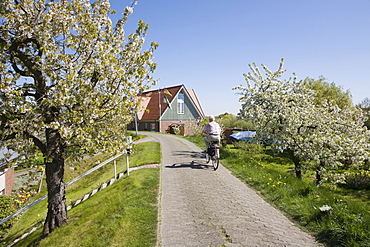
(358, 181)
(6, 209)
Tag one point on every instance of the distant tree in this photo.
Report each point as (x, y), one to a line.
(226, 119)
(243, 124)
(325, 91)
(365, 106)
(68, 78)
(229, 120)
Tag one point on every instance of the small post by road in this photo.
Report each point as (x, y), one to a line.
(136, 127)
(42, 176)
(115, 168)
(128, 151)
(134, 113)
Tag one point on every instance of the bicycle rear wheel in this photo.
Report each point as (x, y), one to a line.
(208, 158)
(215, 162)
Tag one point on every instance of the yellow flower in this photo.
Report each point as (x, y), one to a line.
(317, 196)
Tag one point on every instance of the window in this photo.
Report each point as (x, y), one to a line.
(180, 103)
(152, 127)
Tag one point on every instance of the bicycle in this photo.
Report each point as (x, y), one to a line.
(213, 154)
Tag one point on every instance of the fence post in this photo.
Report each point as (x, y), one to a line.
(128, 151)
(42, 176)
(115, 168)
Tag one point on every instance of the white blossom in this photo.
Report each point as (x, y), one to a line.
(325, 208)
(129, 10)
(318, 135)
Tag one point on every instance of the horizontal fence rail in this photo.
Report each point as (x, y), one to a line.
(69, 183)
(84, 198)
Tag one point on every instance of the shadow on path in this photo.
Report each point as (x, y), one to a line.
(188, 154)
(192, 165)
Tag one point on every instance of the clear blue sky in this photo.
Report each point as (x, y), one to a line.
(207, 44)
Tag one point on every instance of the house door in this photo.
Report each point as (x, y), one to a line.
(152, 127)
(182, 129)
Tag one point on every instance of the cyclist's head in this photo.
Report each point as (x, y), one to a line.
(211, 118)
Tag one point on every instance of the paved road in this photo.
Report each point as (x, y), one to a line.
(202, 207)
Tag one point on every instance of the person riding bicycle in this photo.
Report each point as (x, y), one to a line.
(213, 131)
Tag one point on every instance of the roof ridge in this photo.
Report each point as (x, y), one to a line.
(154, 90)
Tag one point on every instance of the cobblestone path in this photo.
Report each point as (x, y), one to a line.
(202, 207)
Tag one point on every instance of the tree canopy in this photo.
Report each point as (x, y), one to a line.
(330, 92)
(68, 81)
(319, 135)
(229, 120)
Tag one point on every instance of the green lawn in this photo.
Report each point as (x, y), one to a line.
(336, 217)
(123, 214)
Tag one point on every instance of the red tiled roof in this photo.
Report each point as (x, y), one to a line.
(153, 108)
(152, 104)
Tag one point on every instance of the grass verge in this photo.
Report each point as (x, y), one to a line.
(334, 219)
(123, 214)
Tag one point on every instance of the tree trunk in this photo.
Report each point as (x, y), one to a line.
(318, 176)
(57, 210)
(297, 164)
(298, 170)
(319, 172)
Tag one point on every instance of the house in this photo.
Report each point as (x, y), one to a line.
(168, 110)
(6, 180)
(6, 172)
